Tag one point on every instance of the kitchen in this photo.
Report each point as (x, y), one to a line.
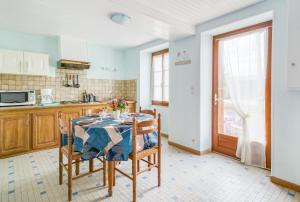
(25, 81)
(132, 96)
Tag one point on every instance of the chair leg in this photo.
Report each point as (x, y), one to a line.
(134, 168)
(159, 167)
(114, 174)
(77, 168)
(91, 165)
(110, 177)
(69, 178)
(60, 167)
(104, 172)
(149, 160)
(154, 158)
(138, 165)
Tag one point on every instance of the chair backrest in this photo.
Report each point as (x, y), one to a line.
(149, 111)
(65, 135)
(93, 111)
(145, 127)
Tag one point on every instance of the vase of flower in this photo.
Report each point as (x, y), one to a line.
(116, 114)
(117, 105)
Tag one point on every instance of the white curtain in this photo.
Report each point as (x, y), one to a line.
(243, 61)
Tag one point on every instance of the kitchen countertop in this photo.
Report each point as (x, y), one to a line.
(37, 106)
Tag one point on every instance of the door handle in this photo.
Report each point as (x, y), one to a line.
(216, 99)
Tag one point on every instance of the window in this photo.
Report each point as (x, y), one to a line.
(160, 78)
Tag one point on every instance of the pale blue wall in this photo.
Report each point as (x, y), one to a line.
(31, 43)
(184, 94)
(98, 56)
(107, 58)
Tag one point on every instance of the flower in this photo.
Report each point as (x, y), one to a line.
(118, 103)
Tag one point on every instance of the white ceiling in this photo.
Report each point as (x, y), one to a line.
(151, 19)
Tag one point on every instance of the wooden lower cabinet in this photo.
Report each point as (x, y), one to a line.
(71, 113)
(45, 129)
(25, 130)
(14, 133)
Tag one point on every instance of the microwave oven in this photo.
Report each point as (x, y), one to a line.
(16, 98)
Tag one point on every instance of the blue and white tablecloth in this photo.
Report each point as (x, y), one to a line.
(107, 137)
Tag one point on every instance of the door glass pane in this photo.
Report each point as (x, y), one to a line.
(229, 122)
(157, 63)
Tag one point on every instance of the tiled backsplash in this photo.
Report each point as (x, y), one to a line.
(103, 89)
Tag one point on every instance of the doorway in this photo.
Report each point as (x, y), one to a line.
(241, 95)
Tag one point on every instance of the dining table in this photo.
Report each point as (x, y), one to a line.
(101, 135)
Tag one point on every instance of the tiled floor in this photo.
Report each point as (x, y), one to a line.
(185, 177)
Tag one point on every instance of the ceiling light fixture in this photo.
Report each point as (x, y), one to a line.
(120, 18)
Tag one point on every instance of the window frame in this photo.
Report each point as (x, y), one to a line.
(159, 102)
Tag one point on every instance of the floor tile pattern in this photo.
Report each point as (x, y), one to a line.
(185, 177)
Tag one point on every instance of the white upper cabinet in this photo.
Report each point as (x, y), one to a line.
(11, 62)
(73, 48)
(293, 66)
(25, 63)
(36, 64)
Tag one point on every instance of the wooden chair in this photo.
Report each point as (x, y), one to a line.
(154, 114)
(149, 111)
(142, 128)
(73, 158)
(92, 111)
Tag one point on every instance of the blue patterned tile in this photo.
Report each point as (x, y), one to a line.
(11, 173)
(11, 181)
(11, 166)
(291, 194)
(37, 174)
(10, 161)
(43, 193)
(144, 177)
(40, 182)
(11, 192)
(32, 161)
(75, 193)
(97, 184)
(127, 185)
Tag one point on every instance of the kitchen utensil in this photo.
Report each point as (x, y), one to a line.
(77, 85)
(70, 80)
(85, 97)
(67, 81)
(74, 81)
